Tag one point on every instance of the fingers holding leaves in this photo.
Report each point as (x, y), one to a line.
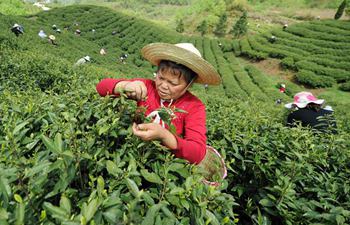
(136, 90)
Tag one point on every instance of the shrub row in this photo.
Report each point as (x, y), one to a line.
(316, 81)
(248, 86)
(232, 88)
(236, 48)
(342, 24)
(329, 62)
(319, 27)
(246, 50)
(276, 50)
(345, 86)
(315, 42)
(337, 74)
(309, 47)
(267, 85)
(304, 32)
(288, 63)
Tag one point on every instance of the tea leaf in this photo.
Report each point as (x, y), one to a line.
(65, 204)
(89, 210)
(151, 213)
(132, 187)
(19, 127)
(151, 177)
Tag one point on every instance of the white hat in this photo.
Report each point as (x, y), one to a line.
(87, 58)
(52, 37)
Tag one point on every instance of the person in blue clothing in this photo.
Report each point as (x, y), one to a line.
(308, 111)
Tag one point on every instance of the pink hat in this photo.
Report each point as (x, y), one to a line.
(302, 99)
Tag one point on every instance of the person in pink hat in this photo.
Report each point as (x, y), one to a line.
(309, 112)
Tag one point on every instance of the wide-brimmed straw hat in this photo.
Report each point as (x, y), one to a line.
(52, 37)
(302, 99)
(185, 54)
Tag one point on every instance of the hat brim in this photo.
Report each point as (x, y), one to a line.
(156, 52)
(303, 105)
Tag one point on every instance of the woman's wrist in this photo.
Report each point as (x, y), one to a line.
(168, 139)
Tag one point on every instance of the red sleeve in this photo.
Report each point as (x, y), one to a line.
(106, 86)
(193, 146)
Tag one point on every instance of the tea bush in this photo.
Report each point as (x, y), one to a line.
(345, 86)
(69, 157)
(277, 174)
(313, 80)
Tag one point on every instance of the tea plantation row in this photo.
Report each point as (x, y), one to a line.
(318, 50)
(69, 157)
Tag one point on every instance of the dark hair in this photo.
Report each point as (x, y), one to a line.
(177, 69)
(313, 106)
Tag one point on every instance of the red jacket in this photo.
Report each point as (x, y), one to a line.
(190, 126)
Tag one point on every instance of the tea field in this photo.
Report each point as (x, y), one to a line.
(68, 156)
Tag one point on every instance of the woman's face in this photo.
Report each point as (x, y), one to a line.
(169, 85)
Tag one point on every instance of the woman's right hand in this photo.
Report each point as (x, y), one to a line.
(135, 90)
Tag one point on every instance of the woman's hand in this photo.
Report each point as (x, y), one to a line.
(148, 131)
(154, 131)
(135, 90)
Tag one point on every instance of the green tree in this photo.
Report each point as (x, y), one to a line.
(203, 27)
(340, 10)
(220, 28)
(241, 26)
(180, 27)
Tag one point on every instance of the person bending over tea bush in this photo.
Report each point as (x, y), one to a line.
(179, 66)
(308, 111)
(83, 60)
(17, 29)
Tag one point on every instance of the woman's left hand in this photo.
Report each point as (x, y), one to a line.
(149, 131)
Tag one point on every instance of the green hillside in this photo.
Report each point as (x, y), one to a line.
(68, 156)
(317, 51)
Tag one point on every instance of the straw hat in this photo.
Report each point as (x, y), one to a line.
(302, 99)
(185, 54)
(52, 37)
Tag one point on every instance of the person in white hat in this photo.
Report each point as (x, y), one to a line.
(17, 29)
(42, 34)
(103, 51)
(179, 66)
(308, 112)
(83, 60)
(52, 39)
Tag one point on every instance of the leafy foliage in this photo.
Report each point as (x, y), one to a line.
(220, 29)
(345, 86)
(203, 27)
(69, 156)
(340, 10)
(180, 27)
(241, 26)
(313, 80)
